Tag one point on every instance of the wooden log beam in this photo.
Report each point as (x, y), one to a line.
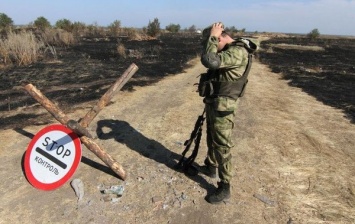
(104, 156)
(57, 113)
(105, 99)
(60, 116)
(78, 129)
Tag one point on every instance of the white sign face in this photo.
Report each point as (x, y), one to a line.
(52, 157)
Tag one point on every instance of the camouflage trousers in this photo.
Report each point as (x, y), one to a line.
(220, 113)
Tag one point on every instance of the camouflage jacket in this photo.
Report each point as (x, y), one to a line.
(227, 65)
(230, 63)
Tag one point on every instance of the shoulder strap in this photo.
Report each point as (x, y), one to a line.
(247, 70)
(249, 45)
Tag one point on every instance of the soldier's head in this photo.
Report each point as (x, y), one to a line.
(217, 30)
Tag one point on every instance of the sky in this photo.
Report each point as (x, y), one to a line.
(335, 17)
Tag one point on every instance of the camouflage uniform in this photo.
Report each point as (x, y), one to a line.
(220, 111)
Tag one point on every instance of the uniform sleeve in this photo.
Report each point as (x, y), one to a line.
(209, 57)
(232, 57)
(212, 59)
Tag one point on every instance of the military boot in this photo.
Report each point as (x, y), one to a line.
(208, 170)
(222, 193)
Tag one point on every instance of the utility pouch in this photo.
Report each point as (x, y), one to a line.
(205, 87)
(232, 90)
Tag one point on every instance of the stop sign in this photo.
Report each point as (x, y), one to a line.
(52, 157)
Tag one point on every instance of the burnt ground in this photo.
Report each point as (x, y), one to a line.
(328, 75)
(84, 72)
(293, 160)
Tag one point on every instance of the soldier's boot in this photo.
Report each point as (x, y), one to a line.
(222, 193)
(208, 170)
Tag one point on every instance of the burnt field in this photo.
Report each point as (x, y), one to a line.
(294, 157)
(82, 73)
(323, 68)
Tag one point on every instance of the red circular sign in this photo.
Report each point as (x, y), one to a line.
(52, 157)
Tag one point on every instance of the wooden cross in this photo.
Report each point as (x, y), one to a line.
(80, 128)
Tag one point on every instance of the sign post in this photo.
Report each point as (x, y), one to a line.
(52, 157)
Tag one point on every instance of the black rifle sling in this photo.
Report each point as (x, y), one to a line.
(189, 161)
(195, 137)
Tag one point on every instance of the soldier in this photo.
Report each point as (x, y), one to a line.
(228, 61)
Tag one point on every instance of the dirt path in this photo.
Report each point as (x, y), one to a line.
(293, 152)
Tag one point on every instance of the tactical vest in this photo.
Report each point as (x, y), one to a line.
(209, 86)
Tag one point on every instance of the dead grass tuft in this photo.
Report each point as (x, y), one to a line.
(58, 37)
(121, 50)
(21, 48)
(298, 47)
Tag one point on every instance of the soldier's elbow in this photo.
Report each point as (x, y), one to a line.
(211, 61)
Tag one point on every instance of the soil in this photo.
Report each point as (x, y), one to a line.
(295, 135)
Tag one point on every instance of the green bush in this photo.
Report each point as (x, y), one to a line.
(313, 34)
(41, 23)
(174, 28)
(114, 28)
(64, 24)
(153, 28)
(5, 22)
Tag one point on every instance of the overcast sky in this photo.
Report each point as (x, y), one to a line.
(290, 16)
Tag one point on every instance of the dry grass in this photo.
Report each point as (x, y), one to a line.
(298, 47)
(121, 50)
(134, 34)
(21, 48)
(57, 37)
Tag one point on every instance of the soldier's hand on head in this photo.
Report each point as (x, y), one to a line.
(217, 29)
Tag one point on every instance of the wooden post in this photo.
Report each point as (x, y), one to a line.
(105, 99)
(47, 104)
(78, 129)
(104, 156)
(60, 116)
